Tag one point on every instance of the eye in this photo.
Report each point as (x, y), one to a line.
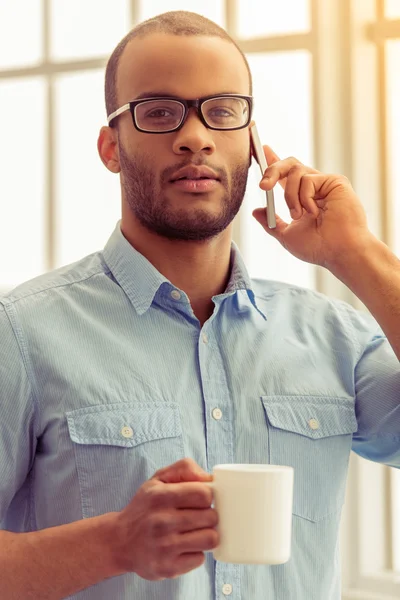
(221, 112)
(159, 113)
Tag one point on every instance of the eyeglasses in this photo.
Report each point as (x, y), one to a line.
(163, 115)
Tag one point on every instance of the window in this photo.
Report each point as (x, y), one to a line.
(212, 9)
(22, 198)
(284, 122)
(268, 18)
(392, 50)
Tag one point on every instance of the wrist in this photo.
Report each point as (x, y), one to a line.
(110, 543)
(366, 253)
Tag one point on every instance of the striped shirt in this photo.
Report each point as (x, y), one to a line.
(106, 376)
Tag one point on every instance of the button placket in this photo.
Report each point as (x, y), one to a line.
(219, 434)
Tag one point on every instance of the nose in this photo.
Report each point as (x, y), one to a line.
(194, 136)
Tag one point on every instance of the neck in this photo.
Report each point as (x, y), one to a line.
(200, 269)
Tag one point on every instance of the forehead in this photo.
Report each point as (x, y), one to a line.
(184, 66)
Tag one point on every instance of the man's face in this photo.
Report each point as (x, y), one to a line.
(187, 67)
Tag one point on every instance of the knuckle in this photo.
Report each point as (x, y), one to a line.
(167, 571)
(297, 169)
(202, 493)
(307, 177)
(159, 525)
(187, 462)
(211, 539)
(213, 518)
(159, 497)
(202, 497)
(154, 497)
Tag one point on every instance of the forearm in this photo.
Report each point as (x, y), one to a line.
(372, 273)
(57, 562)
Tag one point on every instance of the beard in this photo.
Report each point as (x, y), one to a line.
(153, 209)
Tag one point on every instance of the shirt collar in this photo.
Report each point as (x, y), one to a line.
(140, 280)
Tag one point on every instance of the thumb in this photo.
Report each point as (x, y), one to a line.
(260, 216)
(183, 470)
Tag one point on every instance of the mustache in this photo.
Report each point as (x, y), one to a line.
(169, 171)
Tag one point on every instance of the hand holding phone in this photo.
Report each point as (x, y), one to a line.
(259, 152)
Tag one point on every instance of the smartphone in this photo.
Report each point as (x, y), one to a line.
(260, 157)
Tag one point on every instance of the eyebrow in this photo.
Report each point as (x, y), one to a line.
(169, 95)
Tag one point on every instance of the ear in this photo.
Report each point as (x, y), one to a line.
(251, 153)
(107, 147)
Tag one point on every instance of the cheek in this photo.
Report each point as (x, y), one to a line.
(236, 144)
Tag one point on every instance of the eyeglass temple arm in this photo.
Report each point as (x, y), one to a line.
(117, 112)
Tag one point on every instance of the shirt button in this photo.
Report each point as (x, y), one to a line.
(127, 432)
(217, 414)
(313, 423)
(204, 338)
(227, 589)
(176, 295)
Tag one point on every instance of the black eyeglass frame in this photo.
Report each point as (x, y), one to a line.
(187, 104)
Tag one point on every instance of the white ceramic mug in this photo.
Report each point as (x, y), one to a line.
(254, 506)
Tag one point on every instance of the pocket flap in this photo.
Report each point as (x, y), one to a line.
(315, 417)
(124, 424)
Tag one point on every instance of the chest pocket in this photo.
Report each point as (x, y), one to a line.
(314, 436)
(120, 446)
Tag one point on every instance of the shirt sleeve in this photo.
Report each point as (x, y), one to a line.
(17, 414)
(377, 385)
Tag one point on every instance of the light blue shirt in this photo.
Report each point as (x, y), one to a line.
(107, 376)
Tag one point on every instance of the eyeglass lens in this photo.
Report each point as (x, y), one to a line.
(164, 115)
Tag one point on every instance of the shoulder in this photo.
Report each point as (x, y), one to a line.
(314, 307)
(56, 282)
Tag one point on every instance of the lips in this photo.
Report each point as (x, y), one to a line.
(193, 173)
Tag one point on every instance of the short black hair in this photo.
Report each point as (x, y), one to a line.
(178, 22)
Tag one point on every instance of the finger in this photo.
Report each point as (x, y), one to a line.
(183, 470)
(279, 171)
(192, 520)
(185, 563)
(298, 192)
(270, 155)
(180, 495)
(308, 193)
(281, 225)
(271, 158)
(195, 541)
(292, 190)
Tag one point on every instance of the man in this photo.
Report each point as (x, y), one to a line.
(127, 376)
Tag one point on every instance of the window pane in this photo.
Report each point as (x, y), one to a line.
(86, 29)
(392, 9)
(22, 160)
(87, 195)
(20, 33)
(212, 9)
(269, 17)
(284, 121)
(393, 130)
